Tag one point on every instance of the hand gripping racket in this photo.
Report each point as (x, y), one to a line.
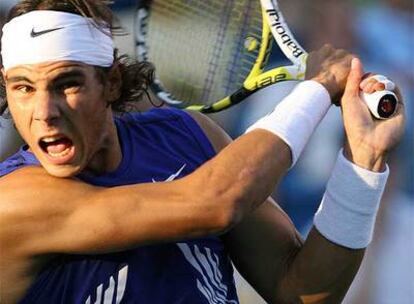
(210, 55)
(382, 104)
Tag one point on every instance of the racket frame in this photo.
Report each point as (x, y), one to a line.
(272, 22)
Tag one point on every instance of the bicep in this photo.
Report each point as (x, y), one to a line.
(262, 246)
(68, 216)
(55, 215)
(35, 209)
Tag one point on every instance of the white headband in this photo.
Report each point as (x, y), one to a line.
(41, 36)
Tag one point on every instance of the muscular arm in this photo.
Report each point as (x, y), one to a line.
(269, 252)
(40, 214)
(266, 248)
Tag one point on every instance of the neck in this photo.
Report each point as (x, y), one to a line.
(109, 157)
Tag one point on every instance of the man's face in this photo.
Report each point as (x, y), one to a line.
(61, 111)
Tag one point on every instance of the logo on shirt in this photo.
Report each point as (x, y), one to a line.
(210, 281)
(172, 176)
(35, 34)
(110, 294)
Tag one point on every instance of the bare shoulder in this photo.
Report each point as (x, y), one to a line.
(32, 188)
(18, 185)
(15, 207)
(26, 175)
(30, 201)
(218, 137)
(32, 182)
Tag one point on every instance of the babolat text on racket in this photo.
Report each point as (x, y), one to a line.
(382, 104)
(210, 55)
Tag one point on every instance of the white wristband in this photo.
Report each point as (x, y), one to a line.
(349, 206)
(296, 117)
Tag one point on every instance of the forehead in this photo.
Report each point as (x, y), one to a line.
(49, 70)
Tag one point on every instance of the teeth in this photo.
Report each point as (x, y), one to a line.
(51, 139)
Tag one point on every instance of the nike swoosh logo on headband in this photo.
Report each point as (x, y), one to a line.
(35, 34)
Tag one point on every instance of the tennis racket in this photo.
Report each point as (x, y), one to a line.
(211, 55)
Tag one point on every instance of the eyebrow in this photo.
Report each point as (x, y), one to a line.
(69, 74)
(18, 79)
(60, 77)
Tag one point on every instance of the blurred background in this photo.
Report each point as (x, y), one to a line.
(381, 33)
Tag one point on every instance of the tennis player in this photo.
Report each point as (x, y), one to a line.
(102, 207)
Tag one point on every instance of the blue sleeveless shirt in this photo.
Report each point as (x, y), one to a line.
(159, 145)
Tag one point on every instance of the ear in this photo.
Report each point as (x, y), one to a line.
(113, 83)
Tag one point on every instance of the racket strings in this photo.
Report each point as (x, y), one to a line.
(217, 51)
(199, 47)
(176, 30)
(238, 61)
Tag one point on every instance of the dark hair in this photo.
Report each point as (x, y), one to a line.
(136, 76)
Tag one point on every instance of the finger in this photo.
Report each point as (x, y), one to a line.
(353, 107)
(388, 84)
(370, 87)
(340, 53)
(366, 79)
(378, 86)
(327, 47)
(326, 50)
(354, 78)
(365, 84)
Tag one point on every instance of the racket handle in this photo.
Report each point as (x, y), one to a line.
(382, 104)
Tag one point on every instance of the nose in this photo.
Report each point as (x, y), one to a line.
(46, 107)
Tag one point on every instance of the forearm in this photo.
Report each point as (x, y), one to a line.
(84, 218)
(209, 201)
(272, 257)
(244, 177)
(319, 272)
(344, 226)
(325, 266)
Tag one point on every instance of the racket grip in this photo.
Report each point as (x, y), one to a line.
(382, 104)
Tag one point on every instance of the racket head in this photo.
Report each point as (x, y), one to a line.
(203, 51)
(285, 40)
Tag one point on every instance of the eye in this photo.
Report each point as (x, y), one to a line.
(69, 86)
(24, 89)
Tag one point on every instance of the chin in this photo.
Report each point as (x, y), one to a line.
(62, 171)
(64, 166)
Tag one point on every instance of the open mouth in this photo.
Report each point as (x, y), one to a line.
(56, 146)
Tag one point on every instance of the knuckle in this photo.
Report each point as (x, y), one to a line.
(327, 47)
